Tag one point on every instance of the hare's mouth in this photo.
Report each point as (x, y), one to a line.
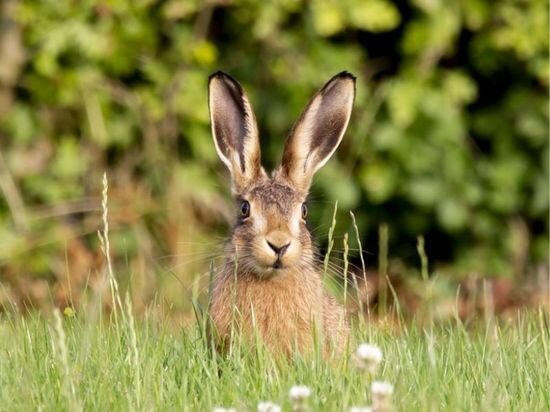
(271, 272)
(277, 268)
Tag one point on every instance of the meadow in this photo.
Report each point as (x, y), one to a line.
(74, 362)
(88, 359)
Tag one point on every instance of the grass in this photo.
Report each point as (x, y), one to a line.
(74, 362)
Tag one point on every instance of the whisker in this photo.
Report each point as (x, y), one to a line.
(216, 240)
(197, 253)
(191, 262)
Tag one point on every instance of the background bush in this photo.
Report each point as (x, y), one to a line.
(449, 136)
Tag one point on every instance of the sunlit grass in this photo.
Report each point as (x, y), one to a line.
(491, 367)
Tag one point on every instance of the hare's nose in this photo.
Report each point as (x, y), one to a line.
(279, 250)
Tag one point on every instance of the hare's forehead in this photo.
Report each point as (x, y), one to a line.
(271, 195)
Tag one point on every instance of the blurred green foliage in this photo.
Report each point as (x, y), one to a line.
(449, 136)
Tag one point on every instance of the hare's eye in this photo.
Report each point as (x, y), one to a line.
(304, 210)
(245, 208)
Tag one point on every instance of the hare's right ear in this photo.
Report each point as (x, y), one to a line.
(234, 129)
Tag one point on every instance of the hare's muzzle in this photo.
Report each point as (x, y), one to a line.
(276, 250)
(279, 252)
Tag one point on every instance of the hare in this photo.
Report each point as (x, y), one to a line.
(269, 286)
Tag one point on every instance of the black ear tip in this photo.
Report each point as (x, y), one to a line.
(339, 80)
(226, 79)
(345, 75)
(218, 75)
(221, 75)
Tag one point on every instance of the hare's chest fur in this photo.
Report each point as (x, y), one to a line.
(284, 312)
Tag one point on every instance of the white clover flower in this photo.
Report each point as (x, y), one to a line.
(381, 394)
(299, 393)
(222, 409)
(368, 357)
(360, 409)
(369, 353)
(381, 389)
(268, 407)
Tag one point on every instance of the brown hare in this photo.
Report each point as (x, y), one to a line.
(270, 286)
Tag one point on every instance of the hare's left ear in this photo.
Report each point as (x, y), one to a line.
(234, 130)
(318, 131)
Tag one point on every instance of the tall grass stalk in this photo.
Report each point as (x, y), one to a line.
(363, 273)
(427, 312)
(346, 264)
(106, 249)
(382, 268)
(126, 311)
(234, 310)
(428, 286)
(330, 239)
(134, 363)
(423, 258)
(59, 343)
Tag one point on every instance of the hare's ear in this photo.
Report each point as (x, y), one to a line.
(234, 129)
(319, 130)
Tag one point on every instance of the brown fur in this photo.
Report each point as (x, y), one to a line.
(285, 313)
(260, 292)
